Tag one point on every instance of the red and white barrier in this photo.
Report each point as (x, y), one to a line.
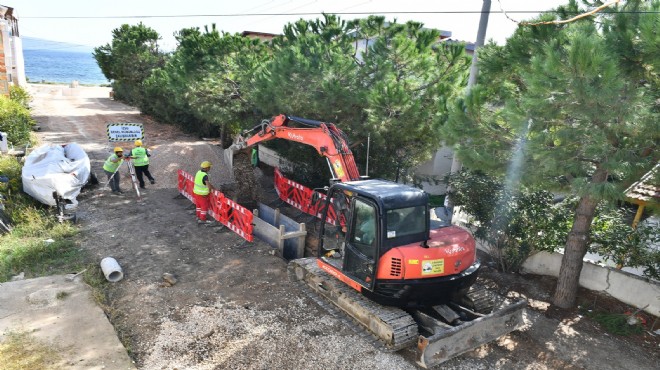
(300, 197)
(224, 210)
(240, 220)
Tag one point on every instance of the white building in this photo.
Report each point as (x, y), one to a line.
(12, 65)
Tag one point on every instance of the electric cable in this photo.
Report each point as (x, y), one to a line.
(336, 13)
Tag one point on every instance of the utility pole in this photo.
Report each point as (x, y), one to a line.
(474, 72)
(481, 39)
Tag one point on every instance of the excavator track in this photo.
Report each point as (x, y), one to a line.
(388, 328)
(480, 299)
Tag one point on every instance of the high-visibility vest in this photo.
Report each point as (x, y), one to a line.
(200, 188)
(255, 157)
(111, 166)
(140, 158)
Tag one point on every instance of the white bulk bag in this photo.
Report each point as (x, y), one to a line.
(56, 168)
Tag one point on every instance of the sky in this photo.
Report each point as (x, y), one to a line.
(89, 27)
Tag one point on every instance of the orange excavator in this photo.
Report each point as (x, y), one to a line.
(381, 258)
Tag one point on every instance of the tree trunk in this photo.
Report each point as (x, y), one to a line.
(576, 247)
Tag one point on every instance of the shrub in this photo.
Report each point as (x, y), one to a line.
(15, 120)
(513, 224)
(20, 96)
(614, 238)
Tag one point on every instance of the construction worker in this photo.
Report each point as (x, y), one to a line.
(140, 157)
(255, 157)
(111, 168)
(201, 192)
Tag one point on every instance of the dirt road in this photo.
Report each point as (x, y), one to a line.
(233, 306)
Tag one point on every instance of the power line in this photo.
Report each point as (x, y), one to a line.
(318, 13)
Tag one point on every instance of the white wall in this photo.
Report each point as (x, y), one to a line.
(628, 288)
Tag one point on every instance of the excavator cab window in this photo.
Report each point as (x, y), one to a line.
(405, 225)
(360, 250)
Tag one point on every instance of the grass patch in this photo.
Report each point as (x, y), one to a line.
(36, 257)
(37, 244)
(94, 277)
(21, 350)
(616, 323)
(96, 280)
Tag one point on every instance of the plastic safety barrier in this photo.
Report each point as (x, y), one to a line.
(301, 197)
(224, 210)
(186, 184)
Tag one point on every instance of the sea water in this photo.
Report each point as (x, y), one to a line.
(62, 67)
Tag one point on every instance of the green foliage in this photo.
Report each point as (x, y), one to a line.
(15, 120)
(393, 85)
(516, 224)
(616, 323)
(584, 96)
(205, 85)
(24, 249)
(390, 82)
(513, 224)
(21, 350)
(311, 72)
(129, 60)
(408, 78)
(20, 96)
(580, 105)
(614, 238)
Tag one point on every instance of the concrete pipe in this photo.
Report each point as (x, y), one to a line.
(111, 269)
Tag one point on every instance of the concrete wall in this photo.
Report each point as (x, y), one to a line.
(628, 288)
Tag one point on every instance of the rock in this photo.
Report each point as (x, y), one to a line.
(18, 277)
(168, 280)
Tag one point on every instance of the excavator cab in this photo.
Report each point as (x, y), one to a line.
(373, 216)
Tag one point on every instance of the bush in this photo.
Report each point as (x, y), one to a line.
(15, 120)
(515, 224)
(512, 223)
(614, 238)
(20, 96)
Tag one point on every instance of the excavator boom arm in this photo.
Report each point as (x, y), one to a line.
(327, 139)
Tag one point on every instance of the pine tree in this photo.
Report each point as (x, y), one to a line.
(129, 60)
(584, 99)
(387, 80)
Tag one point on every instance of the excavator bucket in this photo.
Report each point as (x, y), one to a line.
(450, 341)
(229, 154)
